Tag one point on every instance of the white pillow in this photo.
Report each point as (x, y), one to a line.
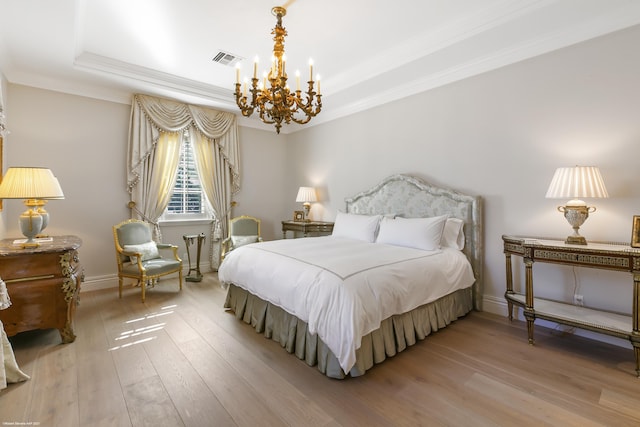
(359, 227)
(147, 251)
(419, 233)
(237, 241)
(453, 234)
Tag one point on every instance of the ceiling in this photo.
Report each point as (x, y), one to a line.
(368, 52)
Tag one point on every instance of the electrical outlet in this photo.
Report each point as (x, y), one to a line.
(578, 300)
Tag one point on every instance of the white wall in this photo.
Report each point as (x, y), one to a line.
(264, 176)
(84, 142)
(501, 135)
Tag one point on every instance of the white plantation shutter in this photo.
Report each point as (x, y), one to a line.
(187, 197)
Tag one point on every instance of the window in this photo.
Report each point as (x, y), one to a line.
(188, 200)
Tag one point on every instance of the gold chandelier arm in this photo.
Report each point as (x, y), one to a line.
(307, 106)
(241, 101)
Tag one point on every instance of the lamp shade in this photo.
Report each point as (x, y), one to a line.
(577, 181)
(30, 183)
(306, 194)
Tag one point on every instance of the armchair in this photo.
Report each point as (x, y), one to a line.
(140, 258)
(242, 231)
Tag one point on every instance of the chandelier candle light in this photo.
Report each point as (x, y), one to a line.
(272, 98)
(576, 182)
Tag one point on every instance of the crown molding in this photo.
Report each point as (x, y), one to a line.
(436, 40)
(604, 24)
(380, 80)
(221, 98)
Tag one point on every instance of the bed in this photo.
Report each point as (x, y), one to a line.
(348, 301)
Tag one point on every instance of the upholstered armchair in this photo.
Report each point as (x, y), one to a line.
(242, 231)
(140, 258)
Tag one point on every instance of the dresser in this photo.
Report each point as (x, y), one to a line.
(602, 256)
(43, 284)
(306, 227)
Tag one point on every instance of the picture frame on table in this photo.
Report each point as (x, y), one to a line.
(635, 232)
(298, 215)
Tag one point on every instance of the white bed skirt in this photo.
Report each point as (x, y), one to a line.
(394, 335)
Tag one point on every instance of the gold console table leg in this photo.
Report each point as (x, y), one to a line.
(635, 338)
(529, 312)
(509, 285)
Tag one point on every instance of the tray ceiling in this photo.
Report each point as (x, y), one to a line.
(368, 52)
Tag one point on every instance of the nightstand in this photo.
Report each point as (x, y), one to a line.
(306, 227)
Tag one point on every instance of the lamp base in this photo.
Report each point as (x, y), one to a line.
(307, 208)
(576, 240)
(576, 212)
(30, 223)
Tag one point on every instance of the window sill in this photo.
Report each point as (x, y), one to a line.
(180, 222)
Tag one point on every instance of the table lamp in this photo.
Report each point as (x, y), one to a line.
(576, 182)
(306, 195)
(36, 186)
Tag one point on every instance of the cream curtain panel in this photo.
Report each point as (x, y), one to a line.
(158, 177)
(208, 157)
(156, 127)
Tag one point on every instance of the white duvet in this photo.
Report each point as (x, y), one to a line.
(344, 288)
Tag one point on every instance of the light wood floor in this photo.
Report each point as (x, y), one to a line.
(180, 359)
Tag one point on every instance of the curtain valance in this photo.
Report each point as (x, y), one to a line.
(150, 116)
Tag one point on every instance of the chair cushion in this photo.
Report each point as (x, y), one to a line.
(237, 241)
(154, 266)
(147, 251)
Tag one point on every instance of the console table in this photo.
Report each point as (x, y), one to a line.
(306, 227)
(43, 284)
(606, 256)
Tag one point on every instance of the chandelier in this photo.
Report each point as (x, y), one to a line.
(272, 98)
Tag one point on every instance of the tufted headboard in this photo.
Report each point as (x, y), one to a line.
(410, 197)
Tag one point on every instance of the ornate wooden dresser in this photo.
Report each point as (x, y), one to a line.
(43, 285)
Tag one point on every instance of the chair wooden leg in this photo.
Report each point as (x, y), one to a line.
(180, 278)
(120, 287)
(143, 286)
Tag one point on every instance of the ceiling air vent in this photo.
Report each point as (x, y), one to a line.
(226, 58)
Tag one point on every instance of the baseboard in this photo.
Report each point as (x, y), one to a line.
(110, 281)
(99, 282)
(494, 305)
(499, 306)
